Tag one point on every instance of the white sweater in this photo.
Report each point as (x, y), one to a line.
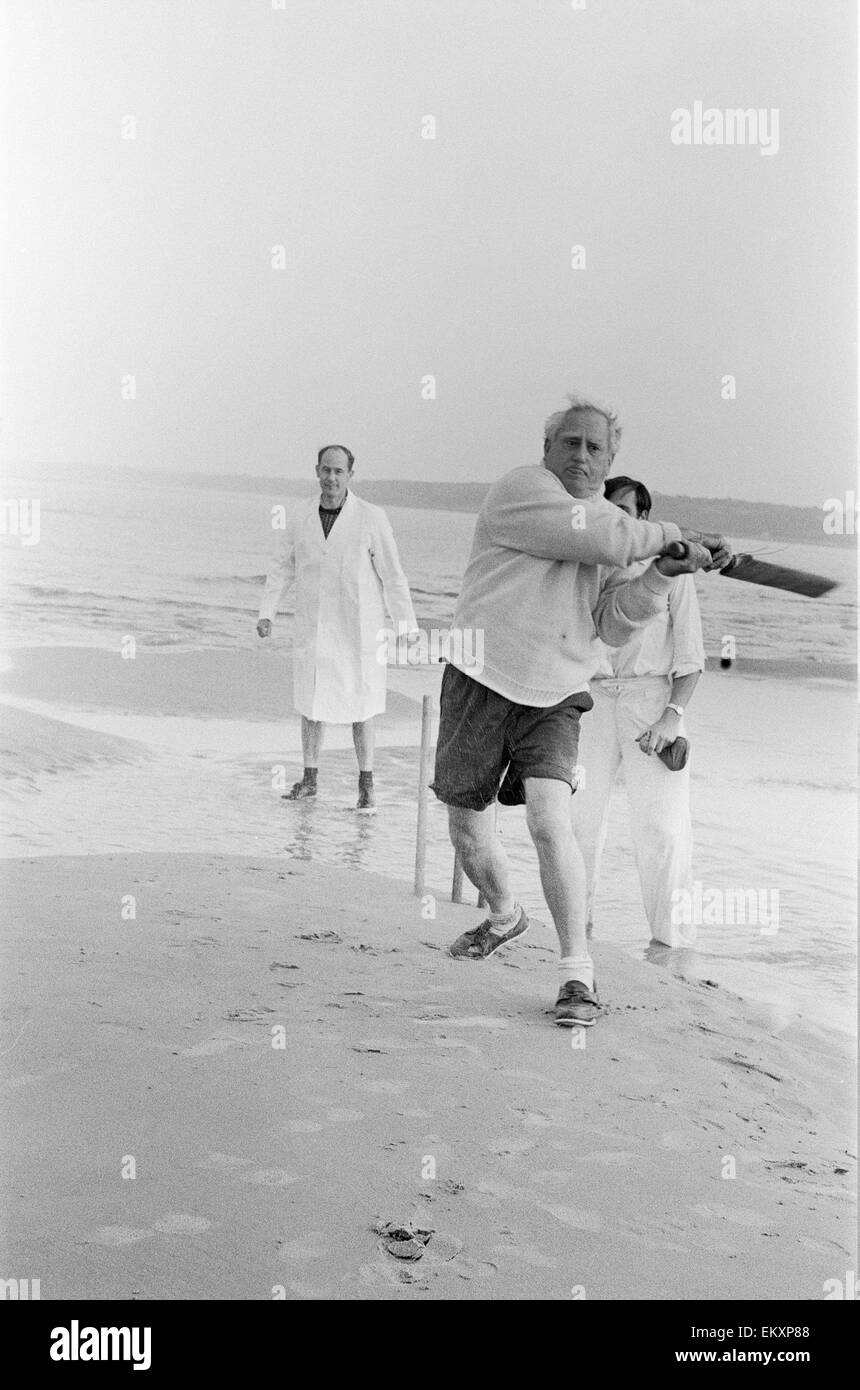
(547, 578)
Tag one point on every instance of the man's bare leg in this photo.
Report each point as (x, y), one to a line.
(474, 836)
(563, 877)
(562, 868)
(362, 738)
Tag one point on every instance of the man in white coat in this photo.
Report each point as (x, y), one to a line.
(342, 555)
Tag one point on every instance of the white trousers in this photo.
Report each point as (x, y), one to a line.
(658, 800)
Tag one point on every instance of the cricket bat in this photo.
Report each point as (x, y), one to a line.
(753, 571)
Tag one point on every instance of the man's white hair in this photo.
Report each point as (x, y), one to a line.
(578, 400)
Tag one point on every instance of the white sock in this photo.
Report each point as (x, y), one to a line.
(577, 968)
(501, 921)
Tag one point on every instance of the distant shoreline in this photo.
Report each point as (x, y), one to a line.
(765, 521)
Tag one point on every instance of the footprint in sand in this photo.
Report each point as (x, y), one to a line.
(301, 1127)
(117, 1235)
(179, 1223)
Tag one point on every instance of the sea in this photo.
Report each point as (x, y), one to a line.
(180, 567)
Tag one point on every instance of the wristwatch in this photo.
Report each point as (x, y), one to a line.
(679, 709)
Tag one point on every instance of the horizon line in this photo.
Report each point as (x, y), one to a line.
(437, 482)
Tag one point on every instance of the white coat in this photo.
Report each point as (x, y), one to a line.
(343, 586)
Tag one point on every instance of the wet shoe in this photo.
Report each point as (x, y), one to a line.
(577, 1006)
(366, 801)
(482, 941)
(299, 790)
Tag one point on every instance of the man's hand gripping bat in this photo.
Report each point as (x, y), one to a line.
(749, 569)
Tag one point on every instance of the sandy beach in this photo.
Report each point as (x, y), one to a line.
(409, 1088)
(277, 1046)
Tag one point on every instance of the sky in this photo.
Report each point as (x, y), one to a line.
(425, 308)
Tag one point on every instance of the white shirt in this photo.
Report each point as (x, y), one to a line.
(671, 644)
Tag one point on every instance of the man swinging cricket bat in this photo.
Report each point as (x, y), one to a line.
(547, 577)
(545, 581)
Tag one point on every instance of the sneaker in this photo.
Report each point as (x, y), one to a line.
(577, 1005)
(366, 801)
(299, 790)
(483, 940)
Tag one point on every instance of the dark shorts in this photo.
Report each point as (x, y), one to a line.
(488, 744)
